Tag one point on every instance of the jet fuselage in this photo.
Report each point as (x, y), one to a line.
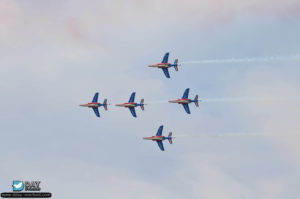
(128, 104)
(181, 101)
(161, 65)
(91, 104)
(157, 138)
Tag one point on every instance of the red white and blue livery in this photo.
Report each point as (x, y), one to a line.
(95, 104)
(164, 65)
(185, 101)
(159, 138)
(131, 104)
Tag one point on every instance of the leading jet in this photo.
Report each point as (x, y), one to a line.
(95, 104)
(131, 104)
(185, 101)
(164, 65)
(159, 138)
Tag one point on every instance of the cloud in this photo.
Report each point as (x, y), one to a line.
(78, 179)
(278, 117)
(208, 176)
(80, 21)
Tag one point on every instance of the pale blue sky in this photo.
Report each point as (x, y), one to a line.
(56, 55)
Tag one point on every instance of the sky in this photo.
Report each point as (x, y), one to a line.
(54, 55)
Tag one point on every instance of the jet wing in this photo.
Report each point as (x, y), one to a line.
(95, 99)
(186, 108)
(166, 71)
(132, 110)
(96, 110)
(159, 132)
(160, 145)
(131, 99)
(165, 59)
(186, 94)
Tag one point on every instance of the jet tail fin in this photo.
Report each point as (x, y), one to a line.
(142, 104)
(105, 104)
(170, 138)
(196, 101)
(176, 64)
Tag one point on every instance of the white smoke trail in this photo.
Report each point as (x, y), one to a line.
(224, 135)
(158, 102)
(243, 60)
(248, 99)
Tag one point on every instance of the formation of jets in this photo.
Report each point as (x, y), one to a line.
(131, 104)
(185, 101)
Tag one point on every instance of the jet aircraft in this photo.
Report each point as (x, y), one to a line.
(159, 138)
(95, 104)
(164, 65)
(131, 104)
(185, 101)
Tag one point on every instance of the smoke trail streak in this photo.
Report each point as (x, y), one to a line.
(213, 135)
(247, 99)
(243, 60)
(158, 102)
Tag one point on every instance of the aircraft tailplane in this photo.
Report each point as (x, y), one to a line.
(170, 138)
(142, 104)
(176, 64)
(196, 101)
(105, 104)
